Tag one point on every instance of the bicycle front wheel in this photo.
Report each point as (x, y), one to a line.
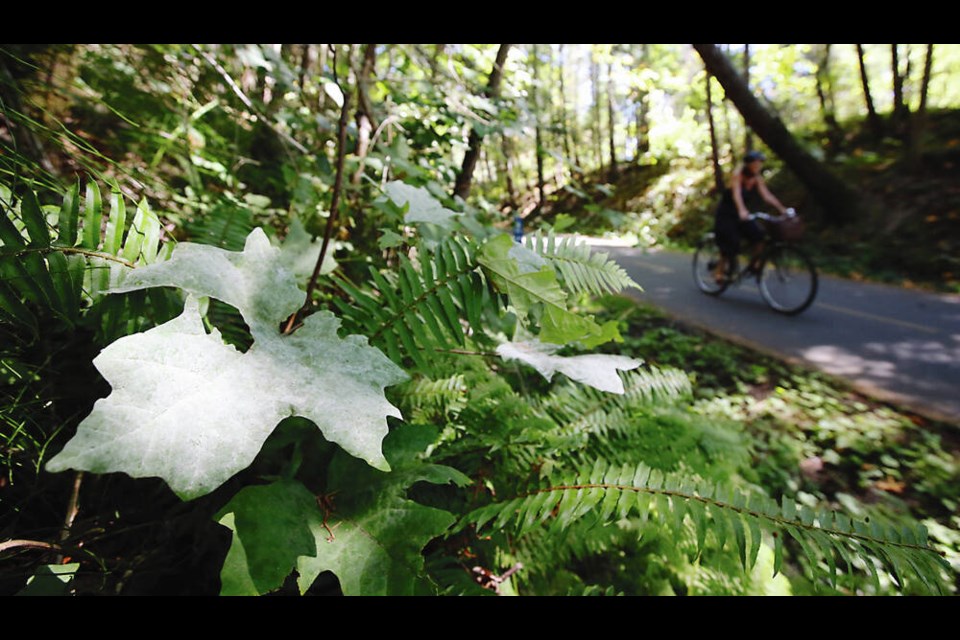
(705, 262)
(788, 279)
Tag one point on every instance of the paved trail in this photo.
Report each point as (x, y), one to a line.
(895, 344)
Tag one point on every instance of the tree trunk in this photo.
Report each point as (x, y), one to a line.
(840, 200)
(564, 121)
(597, 110)
(610, 122)
(538, 138)
(305, 59)
(464, 178)
(364, 114)
(715, 151)
(825, 95)
(435, 60)
(919, 120)
(643, 126)
(901, 112)
(508, 172)
(574, 128)
(875, 125)
(747, 135)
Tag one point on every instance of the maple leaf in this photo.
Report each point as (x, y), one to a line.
(368, 534)
(194, 411)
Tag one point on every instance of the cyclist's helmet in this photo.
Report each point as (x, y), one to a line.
(753, 156)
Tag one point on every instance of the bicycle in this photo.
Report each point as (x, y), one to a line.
(785, 274)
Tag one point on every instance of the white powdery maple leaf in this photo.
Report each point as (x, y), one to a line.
(596, 370)
(194, 411)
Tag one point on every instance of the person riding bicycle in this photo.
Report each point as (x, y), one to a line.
(732, 218)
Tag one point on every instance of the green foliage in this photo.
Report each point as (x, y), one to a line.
(582, 270)
(609, 493)
(418, 307)
(358, 449)
(361, 528)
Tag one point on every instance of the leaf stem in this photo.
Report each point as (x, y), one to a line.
(334, 202)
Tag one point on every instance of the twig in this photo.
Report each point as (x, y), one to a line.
(32, 544)
(72, 509)
(334, 203)
(246, 101)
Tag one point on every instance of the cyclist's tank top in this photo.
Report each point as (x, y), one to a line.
(751, 199)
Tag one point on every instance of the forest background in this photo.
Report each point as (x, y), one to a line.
(380, 178)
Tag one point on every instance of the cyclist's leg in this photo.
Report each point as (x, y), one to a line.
(756, 236)
(728, 241)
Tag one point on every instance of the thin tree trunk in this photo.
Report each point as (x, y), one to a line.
(508, 171)
(575, 130)
(643, 126)
(464, 178)
(305, 58)
(825, 95)
(610, 122)
(435, 60)
(715, 151)
(364, 118)
(872, 117)
(538, 138)
(900, 110)
(597, 137)
(919, 120)
(840, 200)
(747, 134)
(564, 118)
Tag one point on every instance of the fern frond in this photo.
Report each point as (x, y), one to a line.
(609, 493)
(428, 399)
(421, 307)
(64, 274)
(581, 269)
(582, 409)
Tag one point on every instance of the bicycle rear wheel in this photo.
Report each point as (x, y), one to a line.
(788, 279)
(705, 262)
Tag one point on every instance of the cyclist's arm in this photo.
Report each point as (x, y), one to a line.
(736, 188)
(769, 197)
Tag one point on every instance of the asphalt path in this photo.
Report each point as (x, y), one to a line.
(897, 345)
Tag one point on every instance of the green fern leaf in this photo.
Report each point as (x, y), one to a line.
(420, 306)
(676, 502)
(536, 294)
(581, 269)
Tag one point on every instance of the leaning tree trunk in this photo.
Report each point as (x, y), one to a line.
(465, 177)
(714, 150)
(872, 117)
(840, 200)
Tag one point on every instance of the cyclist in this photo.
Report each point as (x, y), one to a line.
(732, 222)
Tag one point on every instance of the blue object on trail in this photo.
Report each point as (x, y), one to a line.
(517, 228)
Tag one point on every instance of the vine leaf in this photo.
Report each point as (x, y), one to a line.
(364, 529)
(421, 205)
(194, 411)
(596, 370)
(533, 289)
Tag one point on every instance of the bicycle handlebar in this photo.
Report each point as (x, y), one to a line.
(790, 213)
